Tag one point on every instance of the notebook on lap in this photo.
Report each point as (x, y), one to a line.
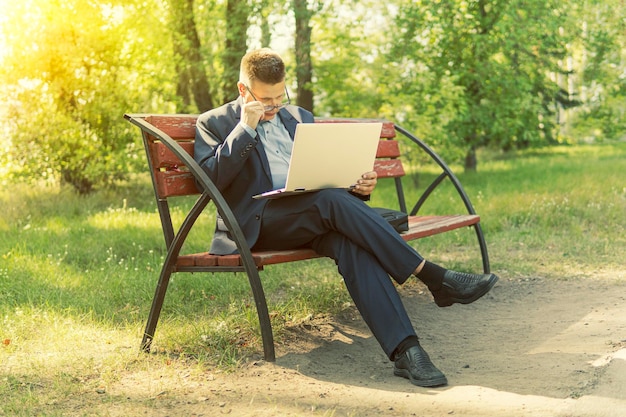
(329, 155)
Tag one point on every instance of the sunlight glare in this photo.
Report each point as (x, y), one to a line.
(4, 19)
(114, 15)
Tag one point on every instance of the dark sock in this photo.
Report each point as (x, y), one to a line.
(405, 345)
(431, 275)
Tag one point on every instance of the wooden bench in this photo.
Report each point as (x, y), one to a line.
(168, 141)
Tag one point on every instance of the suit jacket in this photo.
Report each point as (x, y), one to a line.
(238, 165)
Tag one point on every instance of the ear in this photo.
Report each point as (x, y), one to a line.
(241, 88)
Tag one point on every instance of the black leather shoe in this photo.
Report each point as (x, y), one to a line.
(463, 288)
(415, 365)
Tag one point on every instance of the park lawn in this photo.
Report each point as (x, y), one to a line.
(77, 274)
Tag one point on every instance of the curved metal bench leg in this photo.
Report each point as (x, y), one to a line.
(483, 248)
(259, 299)
(264, 318)
(157, 304)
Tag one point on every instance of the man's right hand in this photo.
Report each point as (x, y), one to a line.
(251, 113)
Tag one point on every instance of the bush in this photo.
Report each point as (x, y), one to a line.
(68, 84)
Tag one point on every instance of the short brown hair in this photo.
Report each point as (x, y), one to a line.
(264, 65)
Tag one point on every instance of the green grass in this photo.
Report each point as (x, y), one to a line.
(77, 274)
(555, 212)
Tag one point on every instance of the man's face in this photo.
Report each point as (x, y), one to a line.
(268, 94)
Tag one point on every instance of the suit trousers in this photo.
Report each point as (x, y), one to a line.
(366, 249)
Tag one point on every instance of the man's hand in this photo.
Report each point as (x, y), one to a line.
(366, 184)
(251, 113)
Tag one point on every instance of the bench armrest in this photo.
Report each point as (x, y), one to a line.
(446, 173)
(208, 188)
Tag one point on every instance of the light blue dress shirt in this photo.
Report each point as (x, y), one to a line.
(278, 145)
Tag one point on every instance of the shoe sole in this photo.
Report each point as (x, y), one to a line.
(446, 302)
(435, 382)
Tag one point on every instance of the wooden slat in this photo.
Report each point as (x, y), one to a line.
(175, 183)
(269, 257)
(177, 126)
(188, 260)
(388, 130)
(388, 148)
(182, 126)
(388, 168)
(260, 258)
(229, 260)
(162, 157)
(423, 226)
(419, 227)
(197, 259)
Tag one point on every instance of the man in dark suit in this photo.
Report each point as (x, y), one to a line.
(244, 146)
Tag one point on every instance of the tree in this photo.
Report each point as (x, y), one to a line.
(304, 66)
(193, 85)
(462, 74)
(235, 46)
(68, 82)
(348, 40)
(496, 55)
(598, 60)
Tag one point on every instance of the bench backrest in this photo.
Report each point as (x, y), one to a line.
(171, 178)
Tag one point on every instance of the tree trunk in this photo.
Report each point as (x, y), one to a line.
(266, 32)
(470, 160)
(235, 47)
(304, 67)
(192, 79)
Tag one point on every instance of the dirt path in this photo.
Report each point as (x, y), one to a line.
(529, 348)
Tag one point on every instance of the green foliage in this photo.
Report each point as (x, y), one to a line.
(463, 74)
(600, 53)
(348, 67)
(488, 63)
(70, 81)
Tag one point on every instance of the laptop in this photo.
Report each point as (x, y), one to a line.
(329, 155)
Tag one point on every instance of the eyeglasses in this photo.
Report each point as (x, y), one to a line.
(269, 107)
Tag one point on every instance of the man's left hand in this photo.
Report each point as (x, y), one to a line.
(366, 184)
